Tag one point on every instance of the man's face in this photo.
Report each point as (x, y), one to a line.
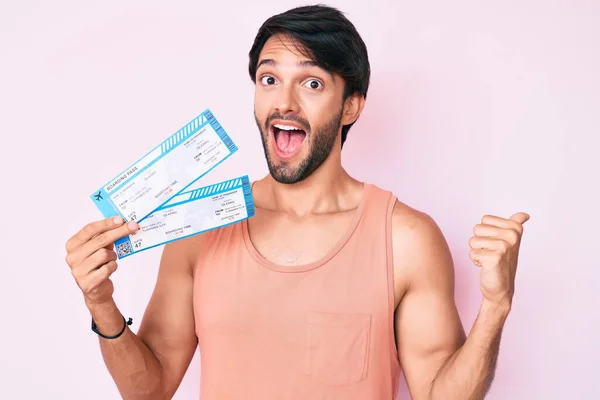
(298, 110)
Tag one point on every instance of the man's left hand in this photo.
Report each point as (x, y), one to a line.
(495, 249)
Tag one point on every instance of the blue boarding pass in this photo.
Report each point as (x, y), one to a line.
(190, 213)
(167, 170)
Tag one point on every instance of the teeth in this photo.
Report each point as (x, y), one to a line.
(286, 127)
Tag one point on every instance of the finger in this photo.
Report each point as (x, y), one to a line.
(503, 223)
(483, 230)
(510, 236)
(96, 277)
(520, 217)
(91, 230)
(106, 239)
(475, 255)
(96, 260)
(104, 272)
(488, 243)
(483, 257)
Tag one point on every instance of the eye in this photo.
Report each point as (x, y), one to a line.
(314, 84)
(267, 80)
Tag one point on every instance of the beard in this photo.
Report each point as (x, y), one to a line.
(321, 142)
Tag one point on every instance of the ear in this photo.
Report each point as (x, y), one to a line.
(353, 106)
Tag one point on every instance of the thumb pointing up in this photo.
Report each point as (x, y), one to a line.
(521, 218)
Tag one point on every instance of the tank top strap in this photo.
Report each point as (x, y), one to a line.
(376, 227)
(378, 208)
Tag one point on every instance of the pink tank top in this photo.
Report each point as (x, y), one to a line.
(313, 332)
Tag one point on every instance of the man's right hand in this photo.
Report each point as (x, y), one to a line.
(92, 260)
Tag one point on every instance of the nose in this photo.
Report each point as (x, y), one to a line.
(286, 100)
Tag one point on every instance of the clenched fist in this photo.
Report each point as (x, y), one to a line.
(495, 249)
(91, 257)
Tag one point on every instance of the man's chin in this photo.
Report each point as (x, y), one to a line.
(287, 180)
(285, 173)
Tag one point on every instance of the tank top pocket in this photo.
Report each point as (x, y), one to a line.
(337, 351)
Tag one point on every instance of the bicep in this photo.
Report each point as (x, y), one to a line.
(428, 327)
(168, 327)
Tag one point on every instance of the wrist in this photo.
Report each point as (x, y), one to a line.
(495, 309)
(106, 317)
(95, 306)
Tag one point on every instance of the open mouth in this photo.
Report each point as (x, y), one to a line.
(288, 138)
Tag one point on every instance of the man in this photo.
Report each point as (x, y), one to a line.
(332, 285)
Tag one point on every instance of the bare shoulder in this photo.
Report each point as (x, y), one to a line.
(183, 253)
(415, 235)
(420, 250)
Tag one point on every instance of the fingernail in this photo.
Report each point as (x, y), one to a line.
(132, 225)
(117, 220)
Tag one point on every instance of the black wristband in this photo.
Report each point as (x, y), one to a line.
(125, 324)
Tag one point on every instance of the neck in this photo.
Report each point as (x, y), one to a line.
(328, 189)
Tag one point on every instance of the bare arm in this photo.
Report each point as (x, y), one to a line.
(438, 361)
(428, 328)
(151, 363)
(469, 372)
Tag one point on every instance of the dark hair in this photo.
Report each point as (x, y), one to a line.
(331, 41)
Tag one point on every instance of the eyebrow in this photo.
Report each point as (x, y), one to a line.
(300, 64)
(273, 63)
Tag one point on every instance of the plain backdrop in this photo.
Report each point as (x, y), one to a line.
(474, 108)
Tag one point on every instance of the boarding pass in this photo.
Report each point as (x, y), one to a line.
(165, 171)
(191, 213)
